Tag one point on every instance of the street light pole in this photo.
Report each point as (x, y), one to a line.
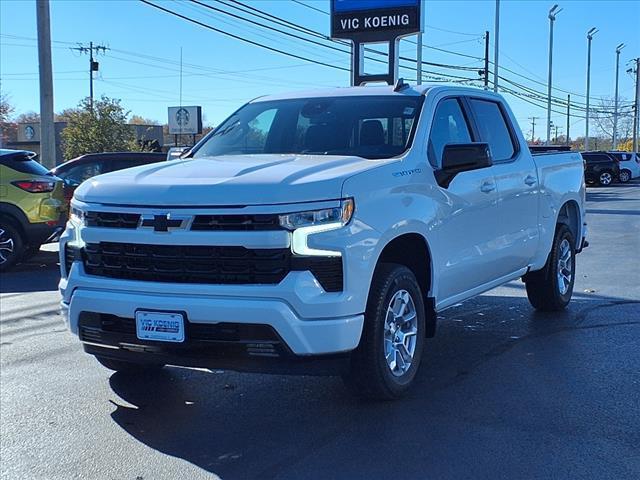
(496, 43)
(590, 35)
(615, 108)
(552, 18)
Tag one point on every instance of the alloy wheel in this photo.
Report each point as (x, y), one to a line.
(7, 246)
(400, 333)
(625, 176)
(605, 178)
(565, 267)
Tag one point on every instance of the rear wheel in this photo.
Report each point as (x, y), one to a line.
(387, 359)
(11, 245)
(128, 367)
(625, 176)
(605, 178)
(550, 289)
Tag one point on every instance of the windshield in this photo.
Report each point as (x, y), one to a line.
(367, 126)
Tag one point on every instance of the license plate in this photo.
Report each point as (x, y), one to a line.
(160, 326)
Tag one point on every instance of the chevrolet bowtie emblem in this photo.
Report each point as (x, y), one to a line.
(161, 223)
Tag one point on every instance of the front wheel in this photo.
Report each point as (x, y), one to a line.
(10, 245)
(625, 176)
(605, 178)
(387, 359)
(550, 289)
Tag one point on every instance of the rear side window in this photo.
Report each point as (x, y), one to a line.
(493, 129)
(449, 126)
(79, 173)
(24, 164)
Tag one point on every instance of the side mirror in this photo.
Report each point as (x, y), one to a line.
(462, 157)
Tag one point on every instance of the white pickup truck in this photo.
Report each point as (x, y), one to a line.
(320, 232)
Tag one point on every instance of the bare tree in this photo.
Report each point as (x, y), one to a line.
(602, 116)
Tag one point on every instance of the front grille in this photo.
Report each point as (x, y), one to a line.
(187, 264)
(204, 264)
(254, 334)
(236, 222)
(249, 340)
(112, 220)
(233, 223)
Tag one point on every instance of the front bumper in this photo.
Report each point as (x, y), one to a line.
(301, 337)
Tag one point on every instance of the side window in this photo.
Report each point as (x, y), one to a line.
(493, 129)
(78, 174)
(449, 126)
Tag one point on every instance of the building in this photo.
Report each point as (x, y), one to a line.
(28, 138)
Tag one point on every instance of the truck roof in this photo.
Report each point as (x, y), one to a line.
(411, 90)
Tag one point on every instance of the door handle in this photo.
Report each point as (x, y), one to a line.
(530, 180)
(487, 187)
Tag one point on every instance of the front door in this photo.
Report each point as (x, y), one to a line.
(467, 216)
(517, 181)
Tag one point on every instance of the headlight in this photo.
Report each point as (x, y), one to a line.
(336, 215)
(76, 216)
(304, 224)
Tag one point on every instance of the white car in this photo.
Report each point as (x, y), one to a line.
(629, 165)
(322, 232)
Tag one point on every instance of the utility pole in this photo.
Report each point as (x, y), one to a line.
(93, 65)
(419, 46)
(568, 118)
(636, 113)
(47, 129)
(590, 35)
(533, 128)
(552, 18)
(486, 60)
(615, 108)
(495, 47)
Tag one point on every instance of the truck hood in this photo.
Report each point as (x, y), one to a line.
(226, 181)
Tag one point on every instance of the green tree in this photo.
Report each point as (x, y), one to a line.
(139, 120)
(104, 129)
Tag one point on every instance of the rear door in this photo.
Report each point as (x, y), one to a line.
(516, 239)
(468, 222)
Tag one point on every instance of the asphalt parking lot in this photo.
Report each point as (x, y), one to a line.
(503, 392)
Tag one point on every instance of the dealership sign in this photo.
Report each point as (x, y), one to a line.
(374, 20)
(185, 120)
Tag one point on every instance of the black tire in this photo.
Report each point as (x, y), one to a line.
(543, 286)
(370, 376)
(128, 367)
(625, 176)
(605, 178)
(11, 245)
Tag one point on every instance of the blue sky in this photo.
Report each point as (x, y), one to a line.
(220, 73)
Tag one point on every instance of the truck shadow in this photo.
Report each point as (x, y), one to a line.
(497, 371)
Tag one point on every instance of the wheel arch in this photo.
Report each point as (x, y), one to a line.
(569, 215)
(411, 249)
(15, 216)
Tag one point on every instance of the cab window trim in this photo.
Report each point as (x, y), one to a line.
(471, 127)
(507, 121)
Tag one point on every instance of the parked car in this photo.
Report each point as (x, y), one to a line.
(31, 202)
(81, 168)
(601, 168)
(321, 231)
(629, 165)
